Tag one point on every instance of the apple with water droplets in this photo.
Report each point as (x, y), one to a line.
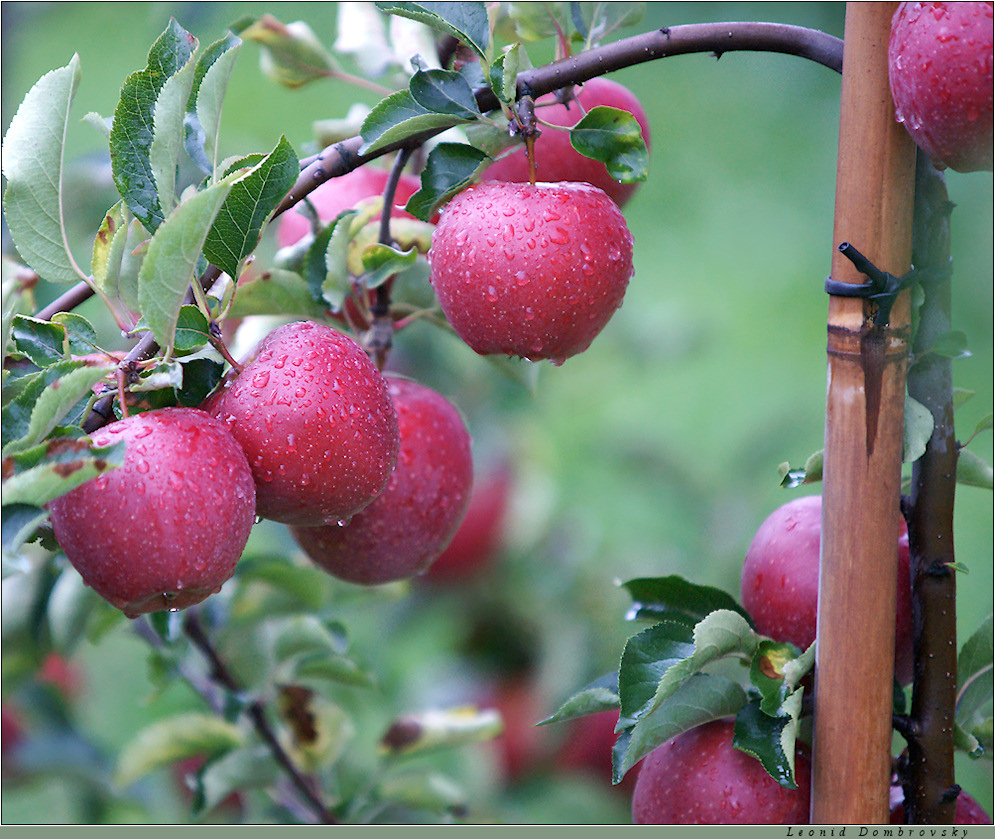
(530, 270)
(779, 583)
(165, 529)
(556, 158)
(312, 413)
(699, 777)
(403, 531)
(940, 71)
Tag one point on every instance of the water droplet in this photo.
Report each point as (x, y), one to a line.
(261, 379)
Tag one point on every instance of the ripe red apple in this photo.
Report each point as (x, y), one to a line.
(164, 530)
(412, 521)
(312, 413)
(966, 811)
(556, 159)
(343, 193)
(533, 270)
(698, 777)
(940, 69)
(780, 580)
(477, 540)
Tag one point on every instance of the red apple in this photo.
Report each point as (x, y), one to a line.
(780, 580)
(312, 413)
(343, 193)
(966, 811)
(556, 159)
(402, 532)
(698, 777)
(164, 530)
(477, 540)
(940, 69)
(531, 270)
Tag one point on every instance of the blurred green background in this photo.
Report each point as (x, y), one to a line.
(655, 452)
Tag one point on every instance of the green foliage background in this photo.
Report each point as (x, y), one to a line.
(653, 453)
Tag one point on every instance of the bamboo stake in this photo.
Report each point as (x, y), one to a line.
(863, 445)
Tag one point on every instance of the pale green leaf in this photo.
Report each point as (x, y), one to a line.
(55, 468)
(168, 132)
(918, 428)
(32, 159)
(108, 249)
(171, 259)
(166, 741)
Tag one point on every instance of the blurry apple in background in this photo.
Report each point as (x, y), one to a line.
(478, 539)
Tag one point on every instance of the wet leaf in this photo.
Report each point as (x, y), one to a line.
(203, 117)
(770, 739)
(600, 695)
(399, 117)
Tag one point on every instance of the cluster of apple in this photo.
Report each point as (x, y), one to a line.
(372, 473)
(699, 777)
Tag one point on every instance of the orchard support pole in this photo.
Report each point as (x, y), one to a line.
(863, 441)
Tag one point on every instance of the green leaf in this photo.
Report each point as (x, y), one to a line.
(444, 92)
(424, 731)
(304, 647)
(134, 117)
(81, 337)
(335, 281)
(450, 167)
(171, 260)
(192, 331)
(203, 119)
(466, 22)
(503, 74)
(717, 635)
(975, 686)
(646, 658)
(307, 584)
(537, 21)
(399, 117)
(108, 249)
(166, 741)
(973, 470)
(613, 137)
(135, 247)
(382, 261)
(249, 205)
(169, 132)
(246, 768)
(810, 473)
(21, 395)
(55, 402)
(275, 292)
(291, 54)
(769, 739)
(701, 699)
(32, 159)
(918, 428)
(20, 522)
(419, 789)
(42, 341)
(600, 695)
(55, 468)
(491, 139)
(675, 599)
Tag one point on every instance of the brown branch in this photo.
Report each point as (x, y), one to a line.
(257, 714)
(929, 769)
